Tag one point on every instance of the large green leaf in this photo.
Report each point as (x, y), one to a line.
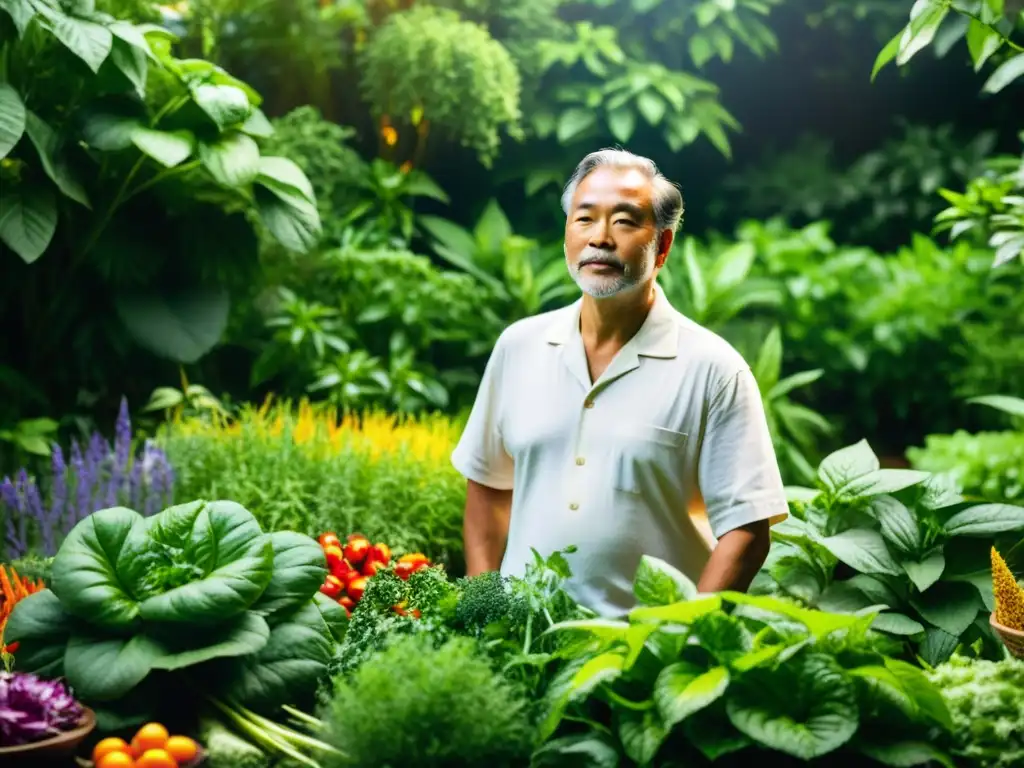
(197, 563)
(85, 575)
(843, 467)
(805, 708)
(48, 146)
(658, 583)
(986, 520)
(899, 525)
(683, 612)
(12, 119)
(905, 754)
(132, 63)
(283, 177)
(42, 627)
(226, 105)
(1005, 73)
(109, 130)
(181, 326)
(925, 572)
(21, 13)
(927, 698)
(641, 734)
(602, 668)
(982, 42)
(592, 750)
(926, 18)
(950, 605)
(492, 228)
(574, 122)
(169, 148)
(291, 218)
(896, 624)
(863, 549)
(1005, 403)
(105, 668)
(818, 623)
(682, 689)
(89, 41)
(28, 221)
(241, 636)
(233, 160)
(299, 570)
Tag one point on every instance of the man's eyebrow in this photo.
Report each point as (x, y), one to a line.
(624, 207)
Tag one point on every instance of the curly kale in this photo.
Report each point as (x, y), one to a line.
(488, 604)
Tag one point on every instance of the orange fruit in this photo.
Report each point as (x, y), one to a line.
(182, 748)
(107, 746)
(156, 758)
(115, 760)
(149, 736)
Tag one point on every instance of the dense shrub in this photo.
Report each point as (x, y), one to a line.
(989, 465)
(309, 470)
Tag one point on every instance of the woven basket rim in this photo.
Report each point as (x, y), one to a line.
(1015, 633)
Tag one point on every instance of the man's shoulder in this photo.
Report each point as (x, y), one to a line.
(533, 330)
(702, 349)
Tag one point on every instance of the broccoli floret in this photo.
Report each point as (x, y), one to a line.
(225, 749)
(429, 589)
(487, 600)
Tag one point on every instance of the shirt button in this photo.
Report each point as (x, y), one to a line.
(574, 506)
(580, 461)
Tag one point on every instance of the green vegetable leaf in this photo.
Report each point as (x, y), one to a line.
(602, 668)
(28, 221)
(333, 614)
(843, 467)
(927, 698)
(938, 646)
(103, 668)
(42, 627)
(233, 160)
(12, 119)
(132, 63)
(805, 708)
(684, 612)
(986, 520)
(1005, 73)
(241, 636)
(864, 550)
(85, 576)
(819, 624)
(925, 572)
(922, 28)
(257, 125)
(711, 732)
(651, 106)
(622, 122)
(982, 42)
(905, 754)
(593, 750)
(950, 605)
(899, 525)
(658, 583)
(197, 563)
(109, 131)
(896, 624)
(887, 54)
(574, 122)
(641, 733)
(48, 146)
(682, 689)
(227, 105)
(292, 219)
(167, 148)
(21, 13)
(299, 570)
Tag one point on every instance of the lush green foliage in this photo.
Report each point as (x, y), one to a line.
(894, 538)
(432, 706)
(310, 471)
(987, 465)
(986, 706)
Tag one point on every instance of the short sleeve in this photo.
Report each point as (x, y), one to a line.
(480, 454)
(738, 472)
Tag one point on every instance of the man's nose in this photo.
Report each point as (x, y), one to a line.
(601, 236)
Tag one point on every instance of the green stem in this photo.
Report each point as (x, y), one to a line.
(635, 706)
(302, 717)
(529, 635)
(260, 736)
(168, 108)
(164, 174)
(587, 721)
(294, 737)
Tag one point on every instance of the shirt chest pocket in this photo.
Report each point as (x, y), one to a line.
(645, 459)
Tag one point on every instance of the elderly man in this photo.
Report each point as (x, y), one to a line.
(595, 425)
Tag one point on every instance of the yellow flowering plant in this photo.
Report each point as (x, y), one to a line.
(310, 468)
(1009, 596)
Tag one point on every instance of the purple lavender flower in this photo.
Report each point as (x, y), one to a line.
(17, 533)
(82, 488)
(32, 709)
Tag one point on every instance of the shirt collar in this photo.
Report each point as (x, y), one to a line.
(657, 337)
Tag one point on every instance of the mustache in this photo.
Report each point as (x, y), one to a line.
(591, 256)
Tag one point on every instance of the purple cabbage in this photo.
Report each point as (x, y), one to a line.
(97, 477)
(33, 709)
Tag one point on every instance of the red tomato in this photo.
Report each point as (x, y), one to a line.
(346, 602)
(328, 539)
(356, 588)
(332, 587)
(416, 613)
(356, 551)
(419, 564)
(349, 575)
(373, 567)
(404, 570)
(335, 558)
(354, 536)
(381, 551)
(415, 557)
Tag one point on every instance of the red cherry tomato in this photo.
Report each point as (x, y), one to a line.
(373, 567)
(356, 588)
(335, 558)
(380, 552)
(356, 551)
(332, 587)
(404, 571)
(354, 536)
(329, 539)
(347, 603)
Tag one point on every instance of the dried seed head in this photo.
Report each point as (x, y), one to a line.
(1009, 596)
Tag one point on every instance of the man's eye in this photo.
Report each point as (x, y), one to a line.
(627, 222)
(583, 219)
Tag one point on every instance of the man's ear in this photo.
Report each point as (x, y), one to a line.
(665, 240)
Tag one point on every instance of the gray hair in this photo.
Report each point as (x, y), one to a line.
(668, 200)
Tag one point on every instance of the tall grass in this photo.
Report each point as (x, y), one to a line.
(306, 468)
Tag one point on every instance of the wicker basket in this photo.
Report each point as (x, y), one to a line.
(1013, 639)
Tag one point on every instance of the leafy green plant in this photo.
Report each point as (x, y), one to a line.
(984, 701)
(428, 70)
(522, 274)
(796, 429)
(31, 436)
(688, 677)
(894, 539)
(987, 465)
(108, 139)
(196, 598)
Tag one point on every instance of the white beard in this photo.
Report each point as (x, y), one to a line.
(605, 286)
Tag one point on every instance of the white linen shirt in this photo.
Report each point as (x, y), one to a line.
(611, 466)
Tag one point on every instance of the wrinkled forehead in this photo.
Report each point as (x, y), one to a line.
(607, 188)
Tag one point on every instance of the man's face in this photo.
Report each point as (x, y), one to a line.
(611, 241)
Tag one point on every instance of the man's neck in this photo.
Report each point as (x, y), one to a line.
(612, 322)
